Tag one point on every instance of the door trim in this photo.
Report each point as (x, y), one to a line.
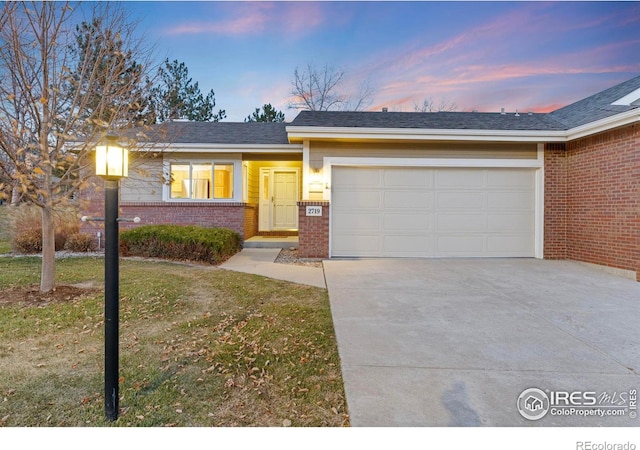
(268, 225)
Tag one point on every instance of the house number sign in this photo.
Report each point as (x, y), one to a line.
(314, 210)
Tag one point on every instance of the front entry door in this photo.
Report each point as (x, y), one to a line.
(278, 199)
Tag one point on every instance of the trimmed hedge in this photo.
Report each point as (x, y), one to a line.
(180, 242)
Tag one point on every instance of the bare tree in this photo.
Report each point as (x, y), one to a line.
(320, 90)
(428, 105)
(53, 93)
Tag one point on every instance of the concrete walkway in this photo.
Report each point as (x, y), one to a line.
(260, 261)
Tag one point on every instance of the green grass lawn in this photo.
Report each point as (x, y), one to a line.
(5, 235)
(199, 347)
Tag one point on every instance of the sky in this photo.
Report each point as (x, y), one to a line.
(482, 56)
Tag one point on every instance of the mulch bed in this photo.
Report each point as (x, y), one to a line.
(31, 295)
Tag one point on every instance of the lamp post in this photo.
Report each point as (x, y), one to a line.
(112, 162)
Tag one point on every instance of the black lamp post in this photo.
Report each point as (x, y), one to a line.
(112, 162)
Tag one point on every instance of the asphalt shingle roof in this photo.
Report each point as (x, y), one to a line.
(597, 106)
(428, 120)
(588, 110)
(260, 133)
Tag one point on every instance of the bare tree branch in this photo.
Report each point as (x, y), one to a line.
(428, 105)
(319, 90)
(54, 92)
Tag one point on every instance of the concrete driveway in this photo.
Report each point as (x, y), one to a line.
(455, 342)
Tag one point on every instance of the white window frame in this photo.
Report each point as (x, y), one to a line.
(237, 179)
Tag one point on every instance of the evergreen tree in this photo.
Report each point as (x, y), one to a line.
(268, 114)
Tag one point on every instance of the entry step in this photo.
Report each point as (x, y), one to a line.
(271, 242)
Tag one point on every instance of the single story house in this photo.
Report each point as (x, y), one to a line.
(558, 185)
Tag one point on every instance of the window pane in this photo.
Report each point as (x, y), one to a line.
(180, 186)
(223, 181)
(201, 181)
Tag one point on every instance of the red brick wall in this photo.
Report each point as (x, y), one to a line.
(225, 215)
(602, 201)
(250, 220)
(603, 206)
(313, 231)
(555, 202)
(240, 217)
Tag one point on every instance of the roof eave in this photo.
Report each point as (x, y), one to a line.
(229, 148)
(300, 134)
(608, 123)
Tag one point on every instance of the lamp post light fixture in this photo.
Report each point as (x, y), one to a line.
(111, 164)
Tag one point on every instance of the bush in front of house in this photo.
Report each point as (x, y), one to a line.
(180, 242)
(80, 242)
(25, 223)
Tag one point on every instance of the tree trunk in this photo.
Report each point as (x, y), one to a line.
(48, 274)
(15, 196)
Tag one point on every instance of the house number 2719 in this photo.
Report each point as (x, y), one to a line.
(314, 210)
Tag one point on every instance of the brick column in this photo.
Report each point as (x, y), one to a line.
(313, 231)
(555, 201)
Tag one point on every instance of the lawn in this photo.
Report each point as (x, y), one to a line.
(199, 347)
(5, 236)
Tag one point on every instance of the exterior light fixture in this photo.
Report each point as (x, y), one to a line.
(112, 159)
(112, 162)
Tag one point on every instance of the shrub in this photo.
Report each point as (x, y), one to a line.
(80, 242)
(186, 243)
(26, 228)
(28, 241)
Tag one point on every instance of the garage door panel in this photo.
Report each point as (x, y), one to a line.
(461, 222)
(410, 222)
(466, 200)
(519, 200)
(409, 178)
(510, 245)
(459, 245)
(356, 221)
(510, 222)
(510, 178)
(407, 245)
(362, 199)
(360, 245)
(413, 200)
(362, 178)
(459, 179)
(433, 212)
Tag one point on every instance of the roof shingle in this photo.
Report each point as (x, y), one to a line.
(239, 133)
(427, 120)
(598, 106)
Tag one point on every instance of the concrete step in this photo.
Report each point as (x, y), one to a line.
(271, 242)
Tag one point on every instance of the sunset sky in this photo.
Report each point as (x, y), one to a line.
(529, 56)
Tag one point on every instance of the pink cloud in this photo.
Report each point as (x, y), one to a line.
(250, 18)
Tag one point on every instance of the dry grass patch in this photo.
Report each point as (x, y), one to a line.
(199, 346)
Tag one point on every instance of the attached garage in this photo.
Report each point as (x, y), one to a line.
(379, 211)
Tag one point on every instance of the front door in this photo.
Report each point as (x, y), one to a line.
(278, 199)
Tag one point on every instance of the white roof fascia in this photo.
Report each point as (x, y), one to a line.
(608, 123)
(230, 148)
(302, 133)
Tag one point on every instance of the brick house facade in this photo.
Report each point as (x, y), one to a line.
(583, 163)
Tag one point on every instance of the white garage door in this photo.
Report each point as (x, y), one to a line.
(432, 212)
